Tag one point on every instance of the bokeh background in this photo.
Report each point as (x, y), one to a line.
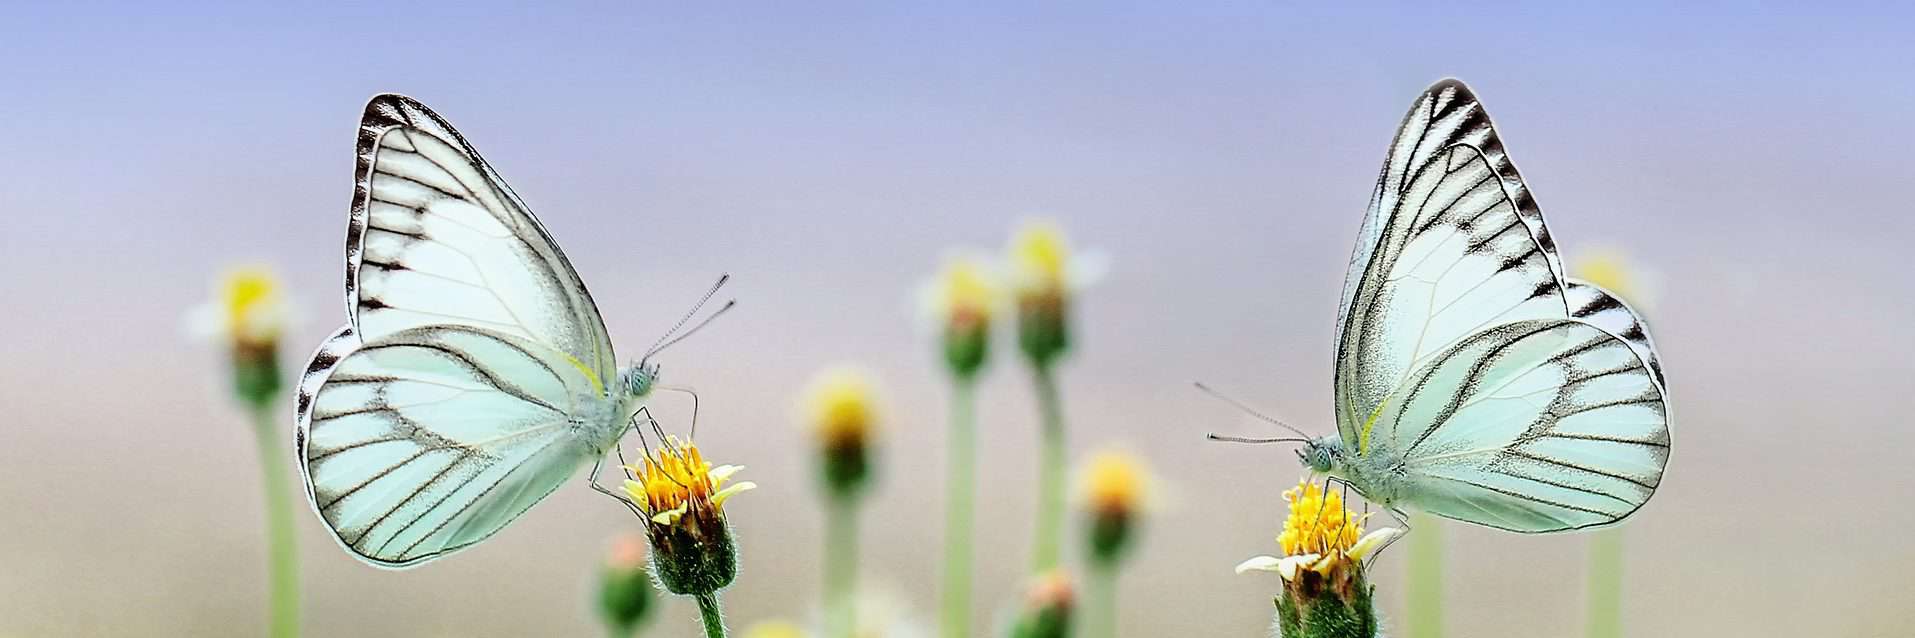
(1750, 159)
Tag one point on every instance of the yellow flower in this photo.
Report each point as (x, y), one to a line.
(677, 481)
(683, 497)
(247, 315)
(248, 309)
(1320, 534)
(1114, 482)
(1114, 488)
(964, 294)
(1040, 257)
(839, 407)
(1044, 274)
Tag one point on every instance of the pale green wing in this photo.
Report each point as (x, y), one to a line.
(1603, 309)
(1532, 426)
(438, 238)
(427, 440)
(1453, 244)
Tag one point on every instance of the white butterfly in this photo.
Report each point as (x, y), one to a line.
(1474, 380)
(475, 375)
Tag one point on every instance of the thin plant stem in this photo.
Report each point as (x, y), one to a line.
(1101, 600)
(841, 566)
(959, 509)
(713, 615)
(282, 562)
(1605, 584)
(1050, 504)
(1426, 577)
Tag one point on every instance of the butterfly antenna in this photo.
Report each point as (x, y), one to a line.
(1244, 439)
(666, 339)
(1249, 410)
(693, 330)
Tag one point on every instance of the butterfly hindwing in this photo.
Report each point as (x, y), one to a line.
(438, 238)
(1603, 309)
(1531, 426)
(430, 439)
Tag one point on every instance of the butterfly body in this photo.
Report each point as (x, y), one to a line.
(1474, 380)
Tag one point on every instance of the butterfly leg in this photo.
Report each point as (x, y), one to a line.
(693, 434)
(1403, 519)
(593, 480)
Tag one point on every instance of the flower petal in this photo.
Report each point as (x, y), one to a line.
(1259, 563)
(1373, 540)
(719, 498)
(722, 472)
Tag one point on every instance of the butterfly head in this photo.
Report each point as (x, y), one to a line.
(1320, 455)
(641, 378)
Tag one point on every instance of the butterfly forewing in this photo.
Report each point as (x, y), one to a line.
(1454, 258)
(437, 238)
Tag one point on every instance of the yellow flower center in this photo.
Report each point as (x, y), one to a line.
(1318, 522)
(841, 409)
(1114, 483)
(1041, 256)
(1608, 270)
(677, 480)
(966, 292)
(250, 296)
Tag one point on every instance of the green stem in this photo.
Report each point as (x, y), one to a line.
(960, 509)
(1050, 505)
(713, 615)
(841, 566)
(1426, 577)
(282, 553)
(1605, 584)
(1101, 601)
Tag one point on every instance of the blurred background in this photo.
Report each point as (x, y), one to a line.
(1750, 161)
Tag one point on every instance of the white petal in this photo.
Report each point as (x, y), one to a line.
(1259, 563)
(1373, 540)
(722, 472)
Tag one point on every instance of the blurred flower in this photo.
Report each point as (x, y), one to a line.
(684, 498)
(247, 314)
(1044, 275)
(1115, 486)
(843, 416)
(962, 300)
(625, 589)
(1612, 270)
(775, 629)
(1048, 606)
(1325, 591)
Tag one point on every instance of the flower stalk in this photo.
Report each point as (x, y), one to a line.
(962, 300)
(711, 615)
(282, 551)
(843, 416)
(1042, 265)
(960, 510)
(1050, 508)
(1425, 601)
(247, 315)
